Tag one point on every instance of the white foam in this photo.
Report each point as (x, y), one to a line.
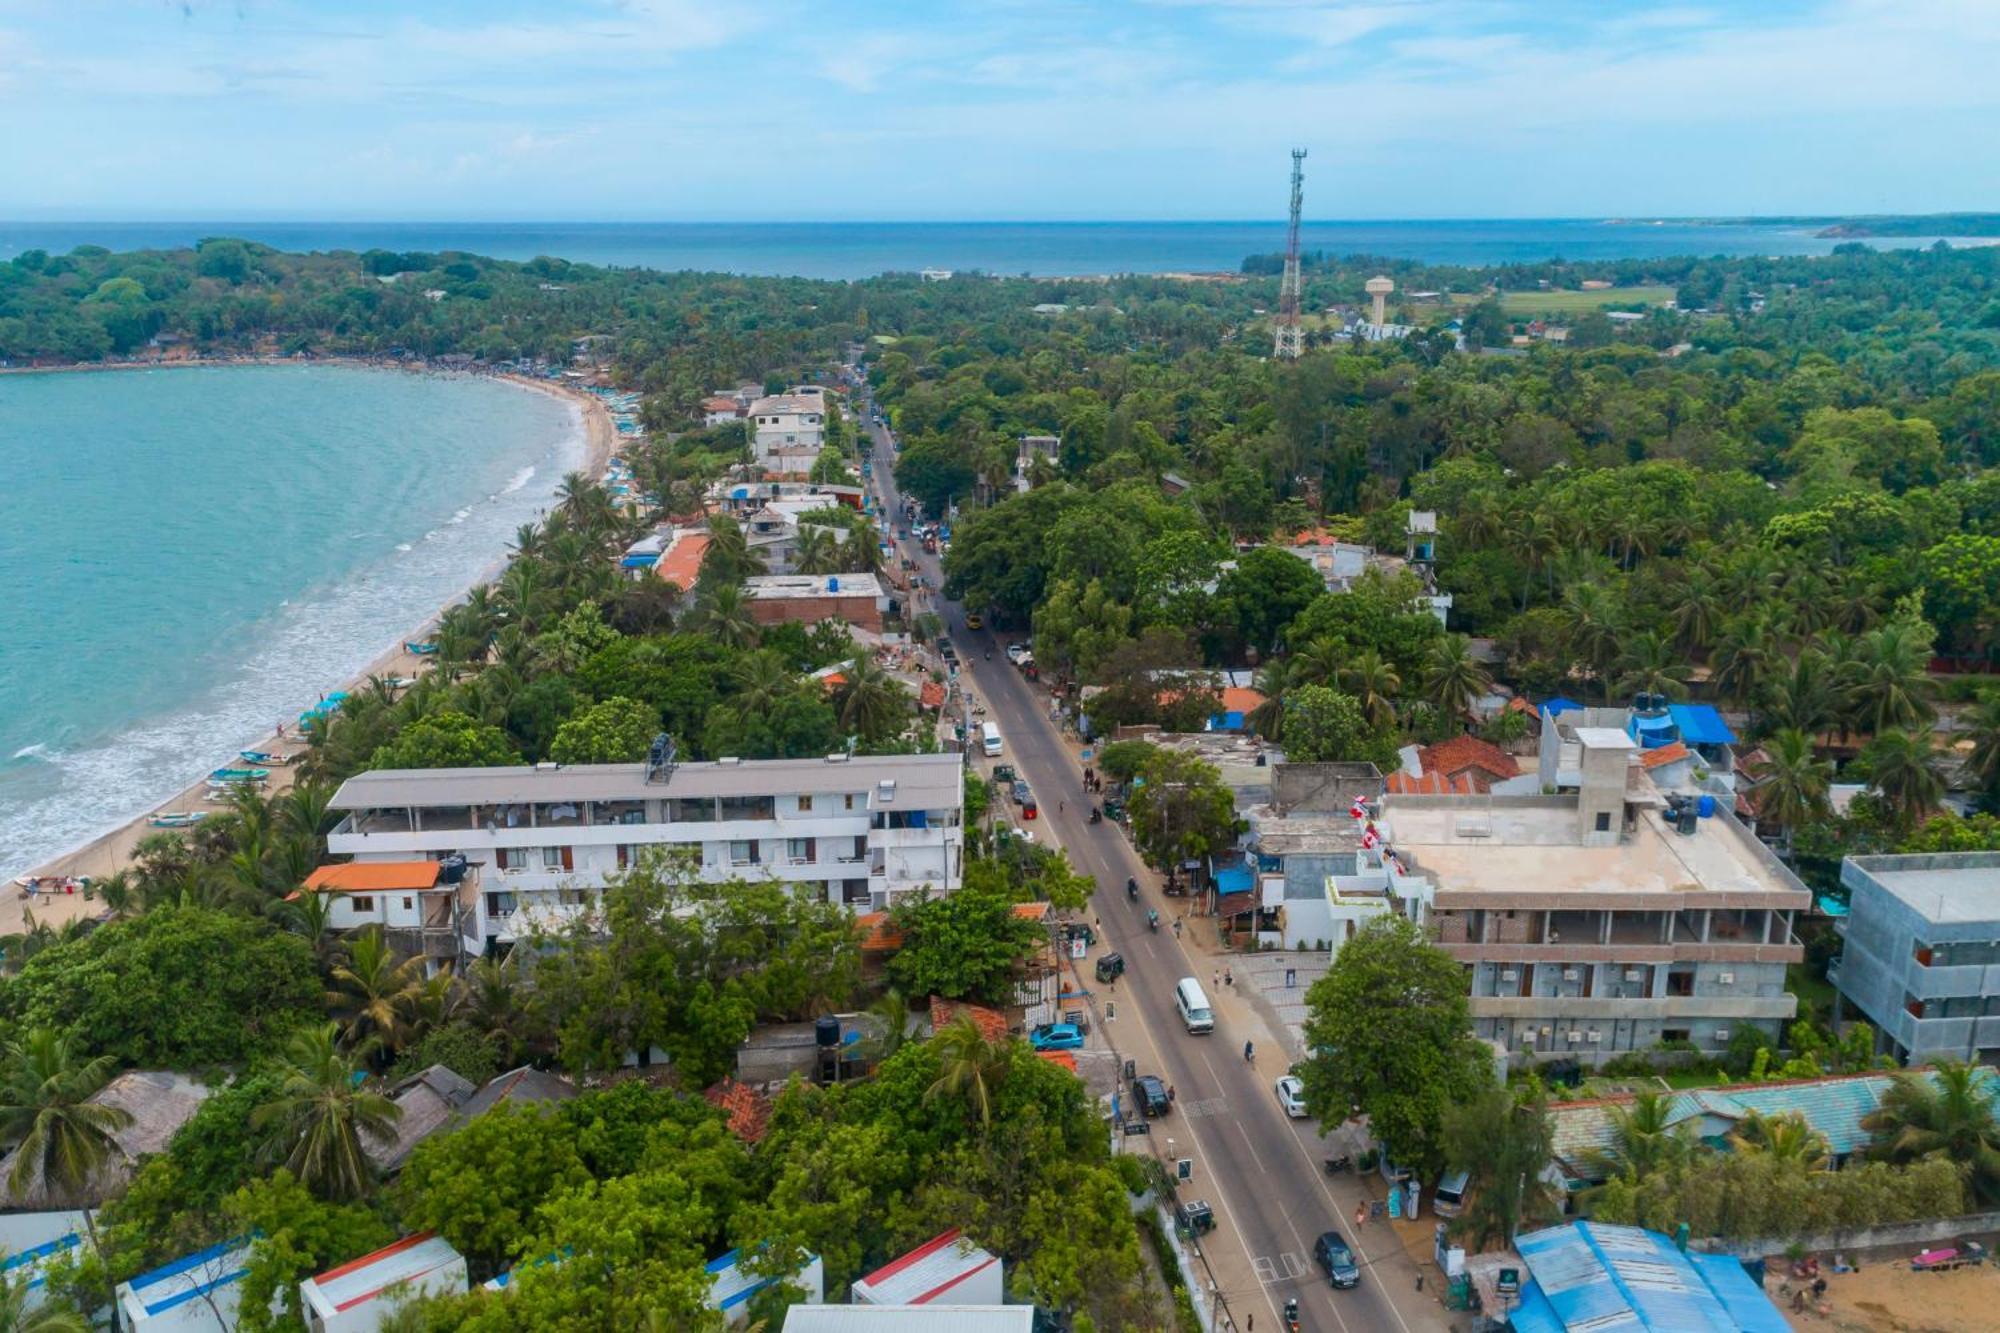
(518, 480)
(35, 751)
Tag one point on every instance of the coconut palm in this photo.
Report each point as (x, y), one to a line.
(1886, 682)
(1592, 625)
(1806, 697)
(817, 552)
(310, 917)
(1743, 658)
(762, 679)
(61, 1136)
(723, 613)
(1983, 725)
(16, 1317)
(861, 553)
(1272, 680)
(1906, 772)
(1318, 662)
(1946, 1112)
(1786, 1137)
(370, 991)
(493, 1000)
(969, 1066)
(1453, 677)
(1651, 664)
(1697, 612)
(321, 1115)
(1792, 781)
(1375, 684)
(1644, 1139)
(871, 704)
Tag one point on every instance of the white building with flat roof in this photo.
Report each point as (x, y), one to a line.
(861, 830)
(789, 429)
(948, 1269)
(357, 1296)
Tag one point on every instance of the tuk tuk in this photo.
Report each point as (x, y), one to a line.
(1004, 774)
(1109, 966)
(1114, 809)
(1193, 1217)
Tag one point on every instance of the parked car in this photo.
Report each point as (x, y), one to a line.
(1020, 792)
(1292, 1096)
(1149, 1094)
(1056, 1037)
(1110, 965)
(973, 620)
(1330, 1252)
(1015, 651)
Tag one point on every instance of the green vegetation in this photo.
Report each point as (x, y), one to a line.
(1532, 303)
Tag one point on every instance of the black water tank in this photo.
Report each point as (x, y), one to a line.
(451, 869)
(826, 1031)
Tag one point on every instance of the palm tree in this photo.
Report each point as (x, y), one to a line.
(1743, 659)
(371, 991)
(1792, 781)
(1807, 697)
(16, 1317)
(871, 704)
(1906, 772)
(310, 917)
(1268, 717)
(429, 1004)
(320, 1116)
(1644, 1139)
(723, 613)
(1984, 726)
(1697, 612)
(861, 553)
(1786, 1138)
(816, 552)
(762, 679)
(1650, 664)
(1886, 682)
(1318, 662)
(1454, 678)
(493, 1000)
(62, 1136)
(1374, 684)
(1591, 622)
(1948, 1112)
(893, 1012)
(970, 1067)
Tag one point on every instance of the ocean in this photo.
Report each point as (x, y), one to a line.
(191, 555)
(846, 250)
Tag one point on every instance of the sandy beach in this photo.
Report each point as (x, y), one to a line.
(112, 851)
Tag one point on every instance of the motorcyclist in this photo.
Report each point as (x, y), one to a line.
(1152, 918)
(1249, 1052)
(1131, 888)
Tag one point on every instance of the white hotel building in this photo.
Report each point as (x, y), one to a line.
(864, 831)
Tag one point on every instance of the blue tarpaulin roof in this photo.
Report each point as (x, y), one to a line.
(1700, 724)
(1605, 1278)
(1555, 706)
(1234, 879)
(1229, 721)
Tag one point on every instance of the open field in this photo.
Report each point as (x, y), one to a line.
(1577, 303)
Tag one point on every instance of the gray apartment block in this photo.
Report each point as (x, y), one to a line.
(1921, 959)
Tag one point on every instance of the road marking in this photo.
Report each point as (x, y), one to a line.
(1275, 1269)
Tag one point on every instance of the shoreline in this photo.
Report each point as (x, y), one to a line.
(112, 850)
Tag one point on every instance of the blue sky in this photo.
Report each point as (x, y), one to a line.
(1003, 109)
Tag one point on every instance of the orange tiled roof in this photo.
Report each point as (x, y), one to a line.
(747, 1111)
(931, 695)
(1430, 784)
(374, 876)
(1665, 754)
(991, 1024)
(681, 565)
(878, 934)
(1031, 911)
(1238, 699)
(1468, 752)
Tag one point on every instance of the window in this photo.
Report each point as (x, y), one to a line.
(1675, 1034)
(362, 902)
(799, 850)
(513, 858)
(1604, 821)
(743, 852)
(552, 858)
(805, 805)
(406, 902)
(847, 801)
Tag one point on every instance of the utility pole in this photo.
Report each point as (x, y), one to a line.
(1287, 343)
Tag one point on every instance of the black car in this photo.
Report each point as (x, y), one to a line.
(1149, 1094)
(1110, 965)
(1330, 1252)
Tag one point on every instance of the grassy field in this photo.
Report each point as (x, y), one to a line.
(1576, 303)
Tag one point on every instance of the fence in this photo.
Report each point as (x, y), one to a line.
(1890, 1236)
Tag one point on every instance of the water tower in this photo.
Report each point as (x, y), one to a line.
(1378, 290)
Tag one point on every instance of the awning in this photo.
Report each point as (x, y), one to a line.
(1700, 724)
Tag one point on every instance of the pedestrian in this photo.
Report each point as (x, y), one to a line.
(1249, 1323)
(1420, 1279)
(1061, 806)
(1170, 1094)
(1218, 978)
(1228, 978)
(1361, 1214)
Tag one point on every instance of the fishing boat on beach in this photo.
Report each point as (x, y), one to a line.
(264, 757)
(178, 818)
(400, 682)
(233, 777)
(420, 647)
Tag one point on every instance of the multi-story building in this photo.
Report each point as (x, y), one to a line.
(790, 429)
(865, 831)
(1605, 919)
(1921, 954)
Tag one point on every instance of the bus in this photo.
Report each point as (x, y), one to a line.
(989, 739)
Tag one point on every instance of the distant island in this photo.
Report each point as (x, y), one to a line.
(1880, 224)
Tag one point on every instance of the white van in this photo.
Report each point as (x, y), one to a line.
(1193, 1004)
(1449, 1197)
(989, 739)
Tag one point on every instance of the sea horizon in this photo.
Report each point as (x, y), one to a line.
(848, 250)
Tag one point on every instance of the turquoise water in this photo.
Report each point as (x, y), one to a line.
(863, 249)
(189, 555)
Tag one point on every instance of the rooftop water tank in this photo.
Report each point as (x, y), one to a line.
(1706, 806)
(826, 1031)
(832, 584)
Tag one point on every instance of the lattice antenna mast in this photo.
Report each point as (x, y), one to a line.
(1288, 341)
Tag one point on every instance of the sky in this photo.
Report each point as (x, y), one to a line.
(784, 110)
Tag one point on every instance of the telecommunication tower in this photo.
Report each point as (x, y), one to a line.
(1288, 339)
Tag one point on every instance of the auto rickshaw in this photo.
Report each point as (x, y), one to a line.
(1193, 1217)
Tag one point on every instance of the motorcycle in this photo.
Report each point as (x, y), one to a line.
(1096, 815)
(1132, 889)
(1249, 1053)
(1292, 1314)
(1153, 920)
(1338, 1165)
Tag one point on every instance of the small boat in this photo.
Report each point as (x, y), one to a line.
(400, 682)
(421, 647)
(264, 757)
(178, 819)
(229, 776)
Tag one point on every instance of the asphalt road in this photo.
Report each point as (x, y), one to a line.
(1260, 1170)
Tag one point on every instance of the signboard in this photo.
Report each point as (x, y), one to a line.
(1509, 1282)
(1184, 1169)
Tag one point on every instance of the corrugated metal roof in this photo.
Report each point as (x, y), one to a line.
(1607, 1278)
